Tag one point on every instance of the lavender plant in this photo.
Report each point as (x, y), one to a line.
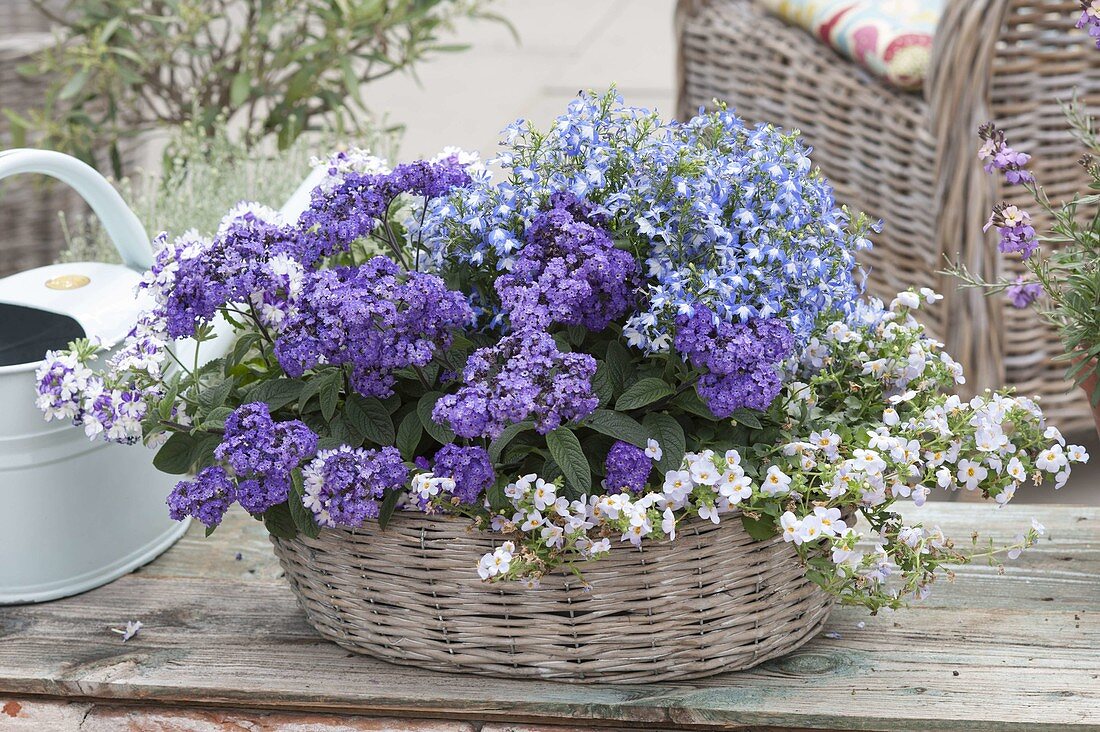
(641, 324)
(1063, 284)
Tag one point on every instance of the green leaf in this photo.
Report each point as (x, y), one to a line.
(620, 366)
(670, 435)
(202, 454)
(243, 346)
(279, 522)
(174, 456)
(618, 425)
(215, 420)
(299, 514)
(213, 397)
(748, 418)
(330, 394)
(602, 384)
(566, 450)
(759, 528)
(507, 435)
(385, 511)
(690, 402)
(276, 393)
(73, 86)
(424, 408)
(409, 433)
(368, 417)
(643, 393)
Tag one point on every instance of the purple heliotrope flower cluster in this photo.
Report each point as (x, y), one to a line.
(352, 209)
(469, 467)
(346, 486)
(1090, 18)
(741, 360)
(257, 260)
(261, 453)
(207, 497)
(627, 468)
(524, 376)
(568, 272)
(373, 317)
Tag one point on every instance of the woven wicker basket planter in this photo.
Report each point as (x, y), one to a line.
(710, 602)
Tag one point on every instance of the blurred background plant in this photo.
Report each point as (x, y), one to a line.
(273, 69)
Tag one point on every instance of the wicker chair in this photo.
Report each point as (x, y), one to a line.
(910, 158)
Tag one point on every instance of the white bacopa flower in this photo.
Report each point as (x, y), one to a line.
(890, 417)
(1077, 454)
(532, 521)
(930, 295)
(1038, 527)
(1052, 459)
(910, 536)
(791, 526)
(776, 482)
(868, 461)
(703, 472)
(1016, 470)
(830, 520)
(668, 524)
(1007, 493)
(809, 530)
(735, 486)
(908, 299)
(733, 459)
(1052, 433)
(599, 546)
(553, 535)
(709, 513)
(133, 627)
(971, 473)
(545, 494)
(653, 450)
(1061, 478)
(944, 479)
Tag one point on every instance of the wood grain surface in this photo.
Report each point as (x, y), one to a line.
(222, 632)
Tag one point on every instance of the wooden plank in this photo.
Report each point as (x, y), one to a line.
(980, 654)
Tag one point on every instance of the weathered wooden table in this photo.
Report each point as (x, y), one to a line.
(224, 646)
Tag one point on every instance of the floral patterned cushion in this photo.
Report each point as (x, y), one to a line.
(890, 38)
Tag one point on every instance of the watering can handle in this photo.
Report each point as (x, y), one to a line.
(121, 224)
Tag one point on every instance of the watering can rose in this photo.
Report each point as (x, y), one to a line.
(641, 323)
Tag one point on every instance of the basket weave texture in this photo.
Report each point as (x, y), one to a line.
(911, 158)
(712, 601)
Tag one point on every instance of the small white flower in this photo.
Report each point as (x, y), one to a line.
(733, 459)
(776, 483)
(653, 450)
(668, 524)
(1077, 454)
(533, 521)
(830, 520)
(735, 486)
(1052, 460)
(545, 494)
(1052, 433)
(1016, 470)
(970, 473)
(868, 461)
(553, 535)
(809, 529)
(703, 472)
(909, 300)
(1038, 527)
(708, 513)
(890, 417)
(791, 527)
(944, 479)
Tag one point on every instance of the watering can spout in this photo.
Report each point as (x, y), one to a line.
(122, 226)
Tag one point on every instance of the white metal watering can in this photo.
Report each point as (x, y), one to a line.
(78, 514)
